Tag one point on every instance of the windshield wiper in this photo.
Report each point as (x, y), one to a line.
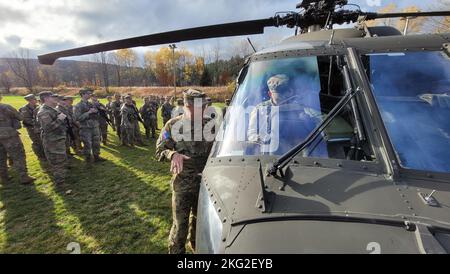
(285, 159)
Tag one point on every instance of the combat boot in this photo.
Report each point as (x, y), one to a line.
(26, 180)
(88, 160)
(98, 159)
(5, 178)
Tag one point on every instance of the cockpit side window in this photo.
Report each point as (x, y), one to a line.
(412, 91)
(280, 102)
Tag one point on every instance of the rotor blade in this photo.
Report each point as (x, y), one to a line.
(213, 31)
(373, 16)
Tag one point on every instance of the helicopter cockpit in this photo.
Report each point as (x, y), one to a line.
(259, 123)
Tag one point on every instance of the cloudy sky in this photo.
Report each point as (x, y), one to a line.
(51, 25)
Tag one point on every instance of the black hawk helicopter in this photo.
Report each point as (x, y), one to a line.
(336, 141)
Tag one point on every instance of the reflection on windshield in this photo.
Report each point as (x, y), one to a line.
(274, 109)
(413, 93)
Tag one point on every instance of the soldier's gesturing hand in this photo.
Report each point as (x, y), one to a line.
(93, 110)
(62, 116)
(177, 163)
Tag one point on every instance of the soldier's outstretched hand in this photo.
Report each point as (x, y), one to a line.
(177, 163)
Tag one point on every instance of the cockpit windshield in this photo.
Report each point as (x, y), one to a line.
(279, 103)
(412, 91)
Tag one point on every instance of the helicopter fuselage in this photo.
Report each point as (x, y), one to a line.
(324, 204)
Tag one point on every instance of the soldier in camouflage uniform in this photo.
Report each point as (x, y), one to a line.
(11, 146)
(137, 130)
(76, 143)
(109, 112)
(128, 119)
(166, 111)
(29, 112)
(115, 109)
(87, 115)
(148, 113)
(179, 109)
(188, 158)
(225, 109)
(102, 119)
(53, 132)
(65, 107)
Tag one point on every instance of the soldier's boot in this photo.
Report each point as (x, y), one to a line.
(26, 180)
(98, 159)
(88, 160)
(4, 177)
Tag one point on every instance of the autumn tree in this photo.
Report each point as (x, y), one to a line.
(415, 24)
(127, 60)
(439, 24)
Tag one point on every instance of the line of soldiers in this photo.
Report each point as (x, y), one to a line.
(54, 127)
(125, 118)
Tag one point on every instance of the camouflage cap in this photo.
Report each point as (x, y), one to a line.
(45, 94)
(191, 95)
(65, 98)
(30, 97)
(86, 91)
(279, 83)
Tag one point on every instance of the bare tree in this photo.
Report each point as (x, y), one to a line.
(216, 55)
(48, 77)
(102, 60)
(117, 67)
(24, 68)
(6, 81)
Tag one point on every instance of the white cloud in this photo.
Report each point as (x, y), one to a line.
(49, 25)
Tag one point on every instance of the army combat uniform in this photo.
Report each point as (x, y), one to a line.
(115, 109)
(186, 185)
(29, 122)
(10, 144)
(166, 112)
(54, 133)
(89, 129)
(102, 122)
(148, 113)
(128, 124)
(109, 112)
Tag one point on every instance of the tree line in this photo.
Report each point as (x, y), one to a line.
(120, 68)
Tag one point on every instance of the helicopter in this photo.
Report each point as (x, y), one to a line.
(355, 158)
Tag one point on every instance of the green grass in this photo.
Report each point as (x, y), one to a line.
(120, 206)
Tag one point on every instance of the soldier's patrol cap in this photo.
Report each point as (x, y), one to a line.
(30, 97)
(45, 94)
(127, 96)
(279, 83)
(191, 95)
(86, 91)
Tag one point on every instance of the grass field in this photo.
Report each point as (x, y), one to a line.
(120, 206)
